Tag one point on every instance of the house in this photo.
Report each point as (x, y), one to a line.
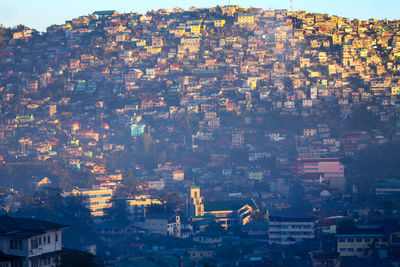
(212, 239)
(361, 240)
(322, 258)
(162, 224)
(256, 229)
(41, 182)
(30, 242)
(289, 227)
(137, 129)
(387, 188)
(198, 254)
(245, 19)
(255, 174)
(105, 13)
(9, 260)
(156, 184)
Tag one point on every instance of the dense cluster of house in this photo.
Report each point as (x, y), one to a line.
(256, 107)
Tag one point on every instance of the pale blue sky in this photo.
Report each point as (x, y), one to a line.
(39, 14)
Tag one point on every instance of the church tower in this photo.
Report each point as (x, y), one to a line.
(195, 206)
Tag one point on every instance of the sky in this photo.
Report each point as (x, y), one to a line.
(39, 14)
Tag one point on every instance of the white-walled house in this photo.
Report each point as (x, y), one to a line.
(35, 242)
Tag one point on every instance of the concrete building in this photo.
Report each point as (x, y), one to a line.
(162, 224)
(138, 206)
(195, 206)
(237, 138)
(31, 242)
(286, 228)
(319, 170)
(96, 200)
(361, 241)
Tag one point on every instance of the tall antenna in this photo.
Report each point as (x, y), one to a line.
(291, 5)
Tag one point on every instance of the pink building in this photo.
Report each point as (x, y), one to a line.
(319, 169)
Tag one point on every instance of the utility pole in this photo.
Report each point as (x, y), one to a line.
(291, 5)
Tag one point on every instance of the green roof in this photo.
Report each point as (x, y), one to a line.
(226, 205)
(104, 12)
(391, 182)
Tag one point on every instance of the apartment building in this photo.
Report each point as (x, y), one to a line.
(286, 228)
(96, 200)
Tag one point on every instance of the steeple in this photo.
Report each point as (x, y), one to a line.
(195, 206)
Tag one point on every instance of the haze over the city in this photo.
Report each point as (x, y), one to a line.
(219, 135)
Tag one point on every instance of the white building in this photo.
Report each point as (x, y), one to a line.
(162, 224)
(36, 242)
(286, 228)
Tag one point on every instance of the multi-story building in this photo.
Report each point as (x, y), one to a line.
(30, 242)
(361, 241)
(237, 138)
(387, 188)
(320, 170)
(96, 200)
(195, 202)
(246, 18)
(286, 228)
(162, 224)
(138, 206)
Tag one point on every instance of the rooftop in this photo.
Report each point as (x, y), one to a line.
(26, 227)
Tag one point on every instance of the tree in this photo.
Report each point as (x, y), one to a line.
(75, 258)
(173, 202)
(346, 226)
(118, 211)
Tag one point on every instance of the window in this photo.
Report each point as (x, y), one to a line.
(358, 240)
(360, 249)
(34, 243)
(16, 264)
(341, 240)
(350, 249)
(15, 244)
(48, 239)
(35, 263)
(350, 240)
(56, 238)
